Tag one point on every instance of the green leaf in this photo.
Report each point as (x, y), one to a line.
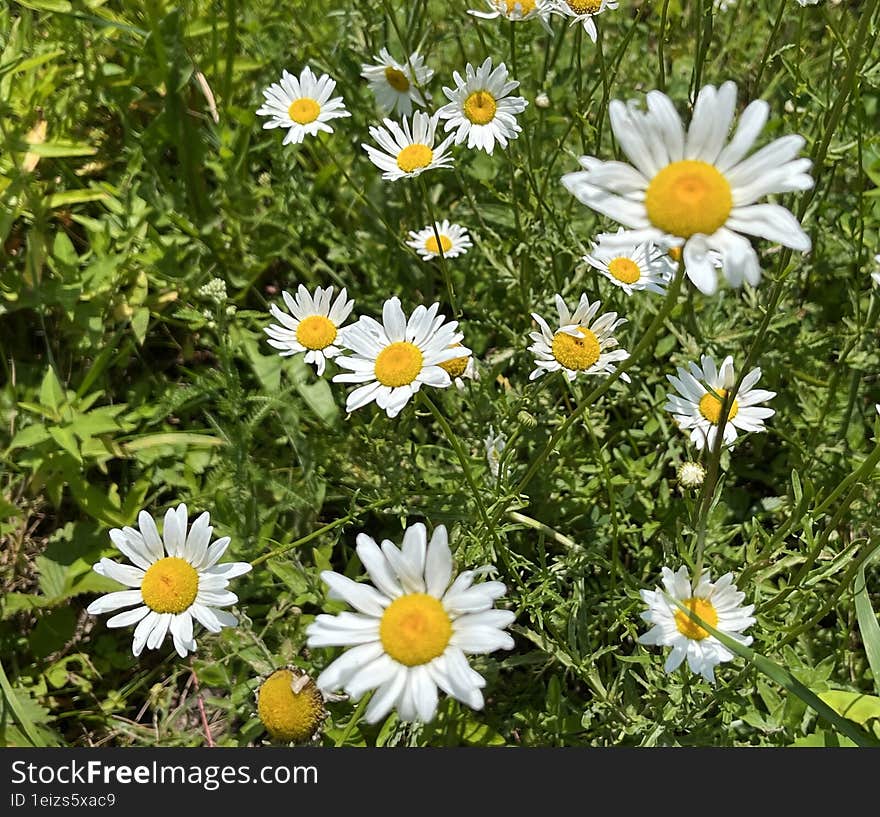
(51, 391)
(46, 5)
(69, 197)
(18, 710)
(868, 626)
(58, 150)
(140, 322)
(64, 437)
(30, 436)
(856, 706)
(181, 438)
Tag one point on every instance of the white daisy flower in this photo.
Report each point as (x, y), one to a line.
(303, 105)
(717, 603)
(517, 10)
(808, 2)
(876, 275)
(632, 267)
(495, 445)
(394, 359)
(405, 151)
(314, 325)
(691, 475)
(701, 390)
(581, 345)
(412, 627)
(396, 84)
(173, 582)
(480, 108)
(460, 368)
(675, 256)
(454, 240)
(583, 12)
(696, 189)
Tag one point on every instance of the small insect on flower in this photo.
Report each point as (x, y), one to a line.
(290, 706)
(314, 325)
(397, 85)
(583, 12)
(175, 578)
(480, 108)
(581, 345)
(632, 267)
(412, 627)
(718, 604)
(302, 105)
(691, 475)
(454, 240)
(701, 392)
(407, 152)
(394, 359)
(697, 190)
(517, 11)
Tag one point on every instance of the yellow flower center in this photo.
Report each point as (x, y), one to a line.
(288, 715)
(455, 367)
(585, 6)
(415, 629)
(624, 270)
(398, 364)
(576, 353)
(688, 197)
(689, 628)
(710, 406)
(480, 107)
(445, 243)
(170, 585)
(396, 79)
(412, 157)
(316, 332)
(524, 7)
(304, 110)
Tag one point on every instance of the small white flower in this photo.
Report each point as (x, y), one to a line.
(454, 240)
(461, 368)
(691, 475)
(412, 627)
(583, 12)
(396, 84)
(517, 10)
(542, 100)
(581, 345)
(302, 105)
(632, 267)
(480, 109)
(876, 275)
(495, 444)
(408, 152)
(718, 604)
(314, 325)
(808, 2)
(175, 581)
(698, 404)
(394, 359)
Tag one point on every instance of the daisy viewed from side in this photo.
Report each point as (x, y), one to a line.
(392, 360)
(698, 404)
(632, 267)
(697, 190)
(583, 344)
(412, 627)
(396, 84)
(302, 105)
(495, 445)
(517, 11)
(175, 578)
(454, 240)
(583, 12)
(461, 368)
(314, 325)
(717, 603)
(480, 108)
(408, 151)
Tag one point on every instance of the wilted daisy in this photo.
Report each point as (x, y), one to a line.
(412, 627)
(290, 706)
(395, 358)
(701, 390)
(454, 240)
(480, 108)
(396, 84)
(583, 12)
(517, 10)
(696, 189)
(408, 151)
(581, 345)
(495, 445)
(632, 267)
(314, 325)
(302, 105)
(174, 582)
(718, 604)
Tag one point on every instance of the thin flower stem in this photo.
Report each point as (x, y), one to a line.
(770, 40)
(209, 739)
(354, 719)
(661, 56)
(450, 292)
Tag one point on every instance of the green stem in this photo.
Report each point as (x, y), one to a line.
(355, 718)
(450, 292)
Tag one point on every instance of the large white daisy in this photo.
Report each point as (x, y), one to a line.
(396, 84)
(581, 345)
(454, 240)
(632, 267)
(480, 109)
(302, 105)
(408, 151)
(583, 12)
(394, 359)
(717, 603)
(517, 11)
(314, 325)
(701, 390)
(174, 581)
(697, 189)
(412, 627)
